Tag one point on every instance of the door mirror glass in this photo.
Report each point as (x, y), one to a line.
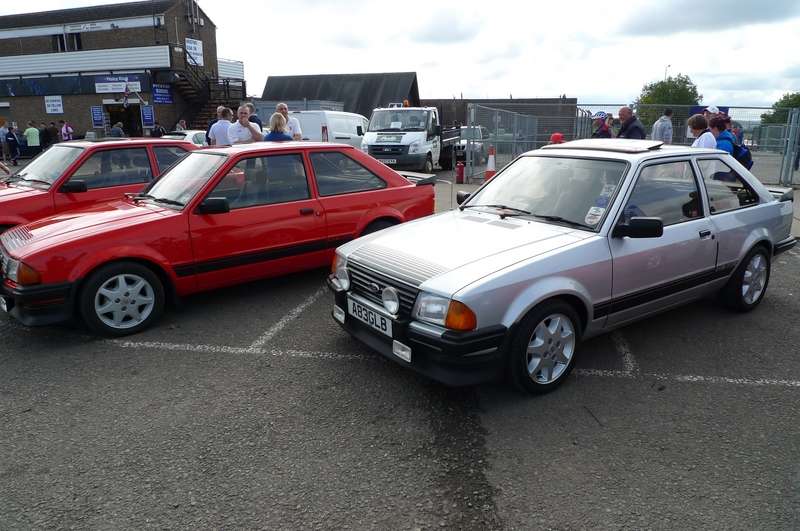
(461, 196)
(214, 205)
(639, 227)
(75, 186)
(360, 130)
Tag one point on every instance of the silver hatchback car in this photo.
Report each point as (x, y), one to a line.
(564, 243)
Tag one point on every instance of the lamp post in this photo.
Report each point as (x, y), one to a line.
(665, 71)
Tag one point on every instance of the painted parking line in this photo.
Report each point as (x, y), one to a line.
(622, 347)
(288, 318)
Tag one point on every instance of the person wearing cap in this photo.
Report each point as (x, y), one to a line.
(662, 129)
(557, 138)
(631, 126)
(710, 112)
(600, 120)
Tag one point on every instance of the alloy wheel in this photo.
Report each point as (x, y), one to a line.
(124, 301)
(550, 348)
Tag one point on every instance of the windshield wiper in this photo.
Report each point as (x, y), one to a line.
(519, 211)
(11, 179)
(166, 201)
(559, 219)
(48, 183)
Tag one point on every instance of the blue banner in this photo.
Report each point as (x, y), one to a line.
(148, 116)
(162, 94)
(97, 116)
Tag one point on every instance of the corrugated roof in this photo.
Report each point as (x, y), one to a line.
(87, 14)
(360, 93)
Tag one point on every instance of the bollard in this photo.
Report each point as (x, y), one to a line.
(459, 172)
(490, 165)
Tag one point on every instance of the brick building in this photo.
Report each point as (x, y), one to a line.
(135, 63)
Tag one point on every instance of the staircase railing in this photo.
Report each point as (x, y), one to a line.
(226, 90)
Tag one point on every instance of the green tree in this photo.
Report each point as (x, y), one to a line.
(780, 109)
(677, 92)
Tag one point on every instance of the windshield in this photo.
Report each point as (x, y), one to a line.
(399, 120)
(183, 180)
(49, 165)
(471, 133)
(576, 190)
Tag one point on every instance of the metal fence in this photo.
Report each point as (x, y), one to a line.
(772, 135)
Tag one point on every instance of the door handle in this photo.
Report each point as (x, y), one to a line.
(704, 234)
(306, 211)
(342, 137)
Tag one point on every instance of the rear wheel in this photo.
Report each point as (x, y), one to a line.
(121, 299)
(747, 286)
(377, 225)
(543, 350)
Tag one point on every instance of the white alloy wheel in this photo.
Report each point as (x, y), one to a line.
(754, 279)
(550, 348)
(124, 301)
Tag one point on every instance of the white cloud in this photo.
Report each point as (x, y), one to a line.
(582, 48)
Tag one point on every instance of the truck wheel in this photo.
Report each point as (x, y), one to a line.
(428, 166)
(121, 299)
(543, 350)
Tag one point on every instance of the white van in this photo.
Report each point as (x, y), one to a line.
(332, 126)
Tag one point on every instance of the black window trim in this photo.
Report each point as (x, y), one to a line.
(257, 156)
(657, 162)
(316, 182)
(744, 181)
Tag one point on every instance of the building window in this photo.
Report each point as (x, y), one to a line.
(70, 44)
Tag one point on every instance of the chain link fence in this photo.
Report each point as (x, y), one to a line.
(772, 135)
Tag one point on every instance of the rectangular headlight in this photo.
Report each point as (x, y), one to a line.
(431, 308)
(12, 269)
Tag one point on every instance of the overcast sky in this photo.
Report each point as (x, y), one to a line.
(737, 52)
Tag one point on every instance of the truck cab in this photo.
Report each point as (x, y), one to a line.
(404, 137)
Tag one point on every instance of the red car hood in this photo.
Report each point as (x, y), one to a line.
(17, 192)
(69, 226)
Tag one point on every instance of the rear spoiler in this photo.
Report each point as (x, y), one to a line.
(781, 193)
(420, 179)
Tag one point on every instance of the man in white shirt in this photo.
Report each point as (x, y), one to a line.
(292, 123)
(243, 131)
(219, 131)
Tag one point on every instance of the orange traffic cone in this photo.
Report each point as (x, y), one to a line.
(490, 168)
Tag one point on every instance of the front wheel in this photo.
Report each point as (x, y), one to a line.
(428, 166)
(121, 299)
(543, 350)
(747, 286)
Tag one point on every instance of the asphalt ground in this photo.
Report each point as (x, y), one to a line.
(250, 408)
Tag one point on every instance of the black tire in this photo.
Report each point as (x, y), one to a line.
(89, 294)
(377, 225)
(428, 166)
(519, 359)
(734, 294)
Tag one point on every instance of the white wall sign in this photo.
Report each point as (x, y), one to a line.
(194, 49)
(53, 105)
(109, 84)
(88, 26)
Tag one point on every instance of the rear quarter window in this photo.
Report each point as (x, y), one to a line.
(337, 174)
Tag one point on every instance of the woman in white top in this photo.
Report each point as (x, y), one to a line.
(703, 137)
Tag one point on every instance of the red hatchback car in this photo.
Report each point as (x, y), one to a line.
(218, 217)
(77, 174)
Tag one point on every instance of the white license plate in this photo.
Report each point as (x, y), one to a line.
(388, 161)
(379, 322)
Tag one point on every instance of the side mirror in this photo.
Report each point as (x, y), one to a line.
(77, 186)
(360, 130)
(640, 228)
(461, 196)
(214, 205)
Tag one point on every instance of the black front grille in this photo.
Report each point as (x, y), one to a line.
(363, 282)
(383, 150)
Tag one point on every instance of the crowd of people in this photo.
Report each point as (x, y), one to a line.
(34, 138)
(247, 128)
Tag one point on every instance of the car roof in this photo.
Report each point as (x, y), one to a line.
(273, 146)
(135, 141)
(619, 148)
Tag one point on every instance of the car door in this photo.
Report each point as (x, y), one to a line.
(650, 274)
(347, 190)
(109, 174)
(731, 203)
(274, 226)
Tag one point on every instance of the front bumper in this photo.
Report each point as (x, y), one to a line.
(785, 245)
(450, 357)
(416, 160)
(39, 305)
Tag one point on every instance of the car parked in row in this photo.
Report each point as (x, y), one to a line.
(73, 175)
(564, 243)
(217, 218)
(195, 136)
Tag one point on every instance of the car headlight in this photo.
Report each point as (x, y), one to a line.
(364, 147)
(451, 314)
(340, 277)
(21, 273)
(415, 147)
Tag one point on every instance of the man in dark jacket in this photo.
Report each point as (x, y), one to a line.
(631, 126)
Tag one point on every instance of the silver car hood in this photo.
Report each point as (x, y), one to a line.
(448, 251)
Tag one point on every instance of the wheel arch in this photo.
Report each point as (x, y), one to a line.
(166, 280)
